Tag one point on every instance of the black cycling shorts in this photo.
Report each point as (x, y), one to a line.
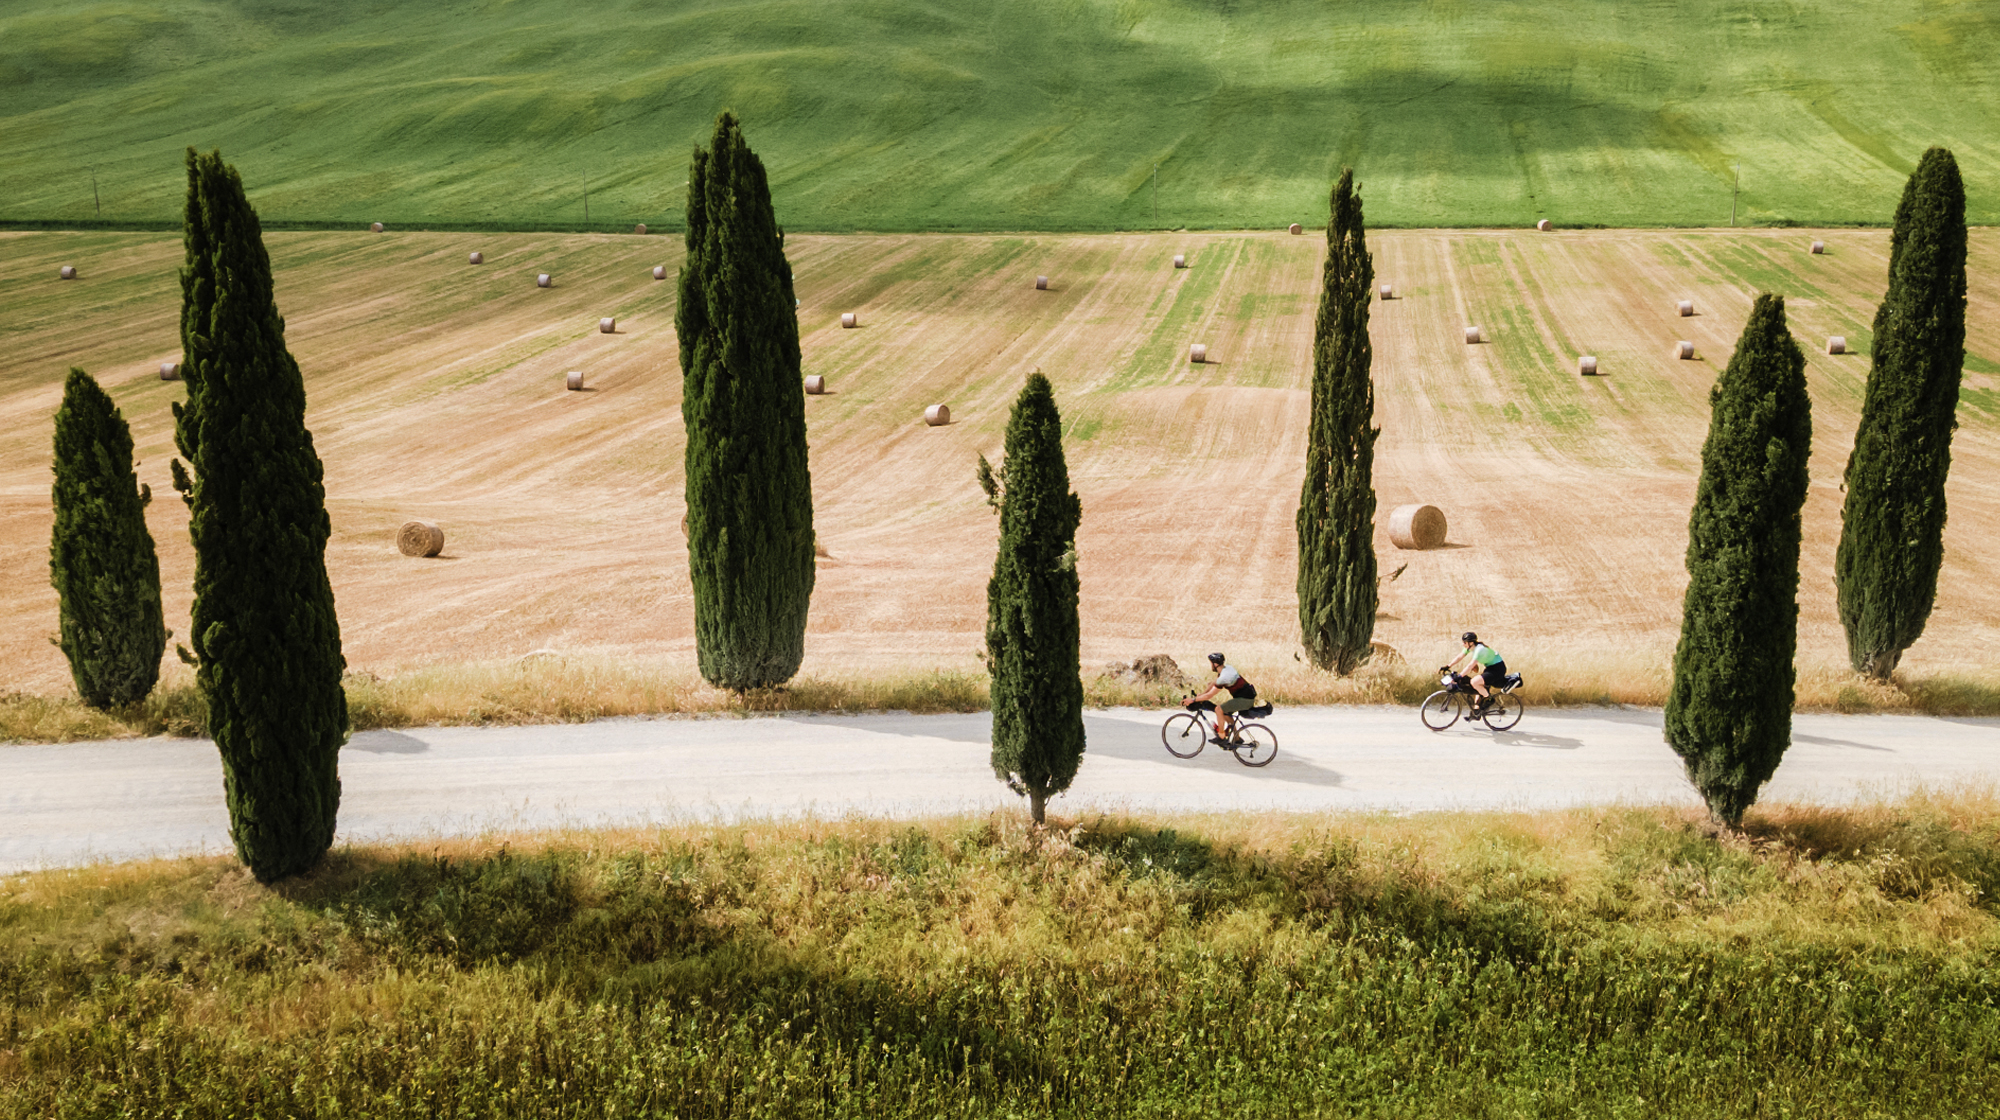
(1495, 675)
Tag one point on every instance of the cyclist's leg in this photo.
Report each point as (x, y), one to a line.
(1226, 713)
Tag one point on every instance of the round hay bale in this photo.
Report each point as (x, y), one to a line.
(1388, 291)
(1180, 260)
(849, 319)
(684, 525)
(1686, 308)
(607, 326)
(476, 258)
(544, 280)
(1836, 344)
(1041, 283)
(67, 272)
(170, 371)
(573, 379)
(1472, 336)
(1197, 354)
(1382, 653)
(1416, 527)
(1684, 350)
(815, 385)
(419, 538)
(1818, 247)
(1542, 225)
(1297, 229)
(1587, 365)
(937, 415)
(659, 272)
(640, 228)
(375, 228)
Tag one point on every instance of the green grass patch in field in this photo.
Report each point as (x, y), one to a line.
(1001, 114)
(1622, 962)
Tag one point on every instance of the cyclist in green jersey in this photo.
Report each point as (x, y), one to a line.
(1492, 668)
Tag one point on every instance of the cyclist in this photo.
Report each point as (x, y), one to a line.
(1242, 694)
(1492, 670)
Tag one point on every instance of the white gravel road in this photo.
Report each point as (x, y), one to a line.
(70, 804)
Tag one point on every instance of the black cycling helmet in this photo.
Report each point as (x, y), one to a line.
(1468, 636)
(1216, 659)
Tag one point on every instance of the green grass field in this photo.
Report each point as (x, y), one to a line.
(1010, 114)
(1615, 963)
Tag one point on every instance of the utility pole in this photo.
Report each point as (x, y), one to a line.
(1733, 196)
(95, 205)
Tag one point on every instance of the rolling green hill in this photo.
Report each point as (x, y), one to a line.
(1043, 114)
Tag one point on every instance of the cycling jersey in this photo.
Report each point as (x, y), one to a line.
(1484, 655)
(1232, 680)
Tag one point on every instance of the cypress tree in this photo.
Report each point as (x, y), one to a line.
(266, 641)
(1336, 522)
(749, 493)
(1729, 713)
(101, 558)
(1033, 638)
(1892, 523)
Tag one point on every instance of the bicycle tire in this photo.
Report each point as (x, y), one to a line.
(1182, 730)
(1505, 711)
(1441, 709)
(1260, 745)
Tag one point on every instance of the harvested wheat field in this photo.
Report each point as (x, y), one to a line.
(437, 393)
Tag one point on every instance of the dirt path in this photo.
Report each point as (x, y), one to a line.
(435, 391)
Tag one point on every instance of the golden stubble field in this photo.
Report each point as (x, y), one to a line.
(436, 392)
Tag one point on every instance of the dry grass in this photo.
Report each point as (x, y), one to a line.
(554, 687)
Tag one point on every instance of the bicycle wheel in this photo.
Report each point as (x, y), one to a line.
(1441, 709)
(1260, 745)
(1504, 712)
(1184, 735)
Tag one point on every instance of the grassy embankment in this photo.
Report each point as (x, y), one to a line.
(1010, 114)
(552, 689)
(1609, 962)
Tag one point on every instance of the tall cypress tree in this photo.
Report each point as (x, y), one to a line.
(1033, 638)
(1336, 522)
(101, 558)
(1892, 531)
(749, 493)
(266, 641)
(1729, 713)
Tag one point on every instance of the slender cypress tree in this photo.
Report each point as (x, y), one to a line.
(1729, 713)
(1892, 524)
(101, 558)
(1336, 522)
(1033, 638)
(266, 641)
(749, 493)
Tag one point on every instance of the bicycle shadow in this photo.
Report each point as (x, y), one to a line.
(1140, 742)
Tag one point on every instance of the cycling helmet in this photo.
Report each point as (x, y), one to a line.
(1468, 636)
(1215, 659)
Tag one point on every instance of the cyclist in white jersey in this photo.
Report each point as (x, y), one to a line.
(1492, 668)
(1242, 694)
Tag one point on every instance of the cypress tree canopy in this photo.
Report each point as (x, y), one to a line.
(1729, 712)
(101, 558)
(1033, 637)
(749, 492)
(1892, 522)
(265, 638)
(1338, 593)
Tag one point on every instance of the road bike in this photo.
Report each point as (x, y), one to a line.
(1253, 744)
(1447, 705)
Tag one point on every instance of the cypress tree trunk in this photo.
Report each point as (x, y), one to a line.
(1729, 713)
(1033, 638)
(1892, 531)
(101, 558)
(749, 493)
(1336, 522)
(266, 641)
